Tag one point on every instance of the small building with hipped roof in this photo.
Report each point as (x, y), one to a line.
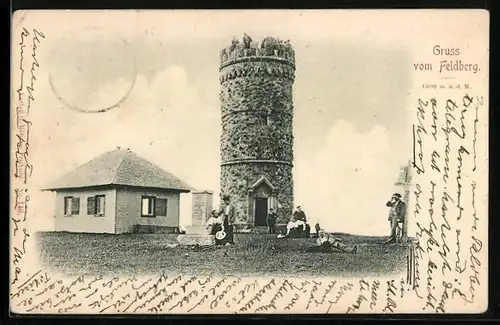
(118, 192)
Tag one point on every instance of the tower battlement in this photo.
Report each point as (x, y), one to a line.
(269, 48)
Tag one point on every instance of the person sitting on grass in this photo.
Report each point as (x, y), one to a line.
(290, 226)
(293, 224)
(214, 223)
(325, 244)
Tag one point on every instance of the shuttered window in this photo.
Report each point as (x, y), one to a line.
(148, 206)
(152, 206)
(96, 205)
(91, 205)
(71, 205)
(100, 204)
(161, 207)
(75, 205)
(67, 205)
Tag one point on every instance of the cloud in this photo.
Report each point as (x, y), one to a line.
(171, 122)
(346, 184)
(164, 120)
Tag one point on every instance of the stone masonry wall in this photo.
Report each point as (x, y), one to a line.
(235, 180)
(257, 117)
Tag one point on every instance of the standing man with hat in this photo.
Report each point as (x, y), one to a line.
(396, 215)
(271, 221)
(228, 219)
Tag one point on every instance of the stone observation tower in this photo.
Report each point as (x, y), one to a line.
(257, 136)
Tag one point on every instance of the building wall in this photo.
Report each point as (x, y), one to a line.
(82, 222)
(128, 209)
(257, 118)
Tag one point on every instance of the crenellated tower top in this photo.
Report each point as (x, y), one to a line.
(245, 49)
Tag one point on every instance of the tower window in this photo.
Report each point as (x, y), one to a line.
(262, 119)
(268, 117)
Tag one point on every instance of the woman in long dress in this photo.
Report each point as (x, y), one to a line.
(214, 225)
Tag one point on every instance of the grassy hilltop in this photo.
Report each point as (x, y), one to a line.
(253, 255)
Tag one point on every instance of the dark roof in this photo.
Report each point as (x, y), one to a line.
(119, 167)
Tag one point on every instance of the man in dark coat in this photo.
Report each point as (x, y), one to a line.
(396, 215)
(229, 216)
(271, 221)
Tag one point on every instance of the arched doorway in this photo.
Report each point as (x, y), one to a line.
(260, 200)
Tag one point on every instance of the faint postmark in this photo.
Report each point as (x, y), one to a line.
(93, 70)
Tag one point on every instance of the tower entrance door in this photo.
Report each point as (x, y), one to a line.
(261, 211)
(260, 200)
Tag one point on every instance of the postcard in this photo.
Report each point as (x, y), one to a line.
(249, 162)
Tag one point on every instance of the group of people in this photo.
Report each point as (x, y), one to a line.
(324, 242)
(298, 222)
(220, 223)
(298, 219)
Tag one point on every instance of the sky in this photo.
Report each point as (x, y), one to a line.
(352, 118)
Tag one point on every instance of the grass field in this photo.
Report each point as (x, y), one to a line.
(253, 255)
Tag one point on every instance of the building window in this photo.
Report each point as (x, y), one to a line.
(161, 207)
(99, 204)
(153, 207)
(148, 206)
(95, 205)
(71, 205)
(67, 205)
